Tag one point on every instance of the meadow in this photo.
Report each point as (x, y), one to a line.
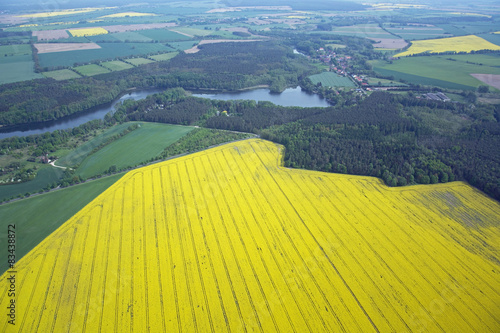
(436, 70)
(163, 35)
(139, 146)
(17, 68)
(227, 240)
(138, 61)
(61, 74)
(116, 65)
(89, 70)
(330, 79)
(453, 44)
(164, 56)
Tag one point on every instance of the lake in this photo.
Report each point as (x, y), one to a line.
(289, 97)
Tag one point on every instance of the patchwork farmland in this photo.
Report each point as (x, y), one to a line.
(453, 44)
(227, 240)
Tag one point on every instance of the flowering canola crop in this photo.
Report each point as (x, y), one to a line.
(456, 44)
(227, 240)
(87, 32)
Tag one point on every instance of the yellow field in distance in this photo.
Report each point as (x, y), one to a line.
(227, 240)
(62, 12)
(87, 32)
(457, 44)
(128, 14)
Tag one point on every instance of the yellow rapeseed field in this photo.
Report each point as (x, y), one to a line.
(457, 44)
(87, 32)
(61, 12)
(226, 240)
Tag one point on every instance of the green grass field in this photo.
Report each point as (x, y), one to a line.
(192, 31)
(164, 56)
(17, 68)
(139, 61)
(330, 79)
(131, 36)
(435, 70)
(37, 217)
(77, 155)
(116, 65)
(89, 70)
(15, 50)
(163, 35)
(108, 51)
(139, 146)
(61, 74)
(44, 177)
(181, 46)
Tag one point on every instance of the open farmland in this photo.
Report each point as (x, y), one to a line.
(64, 47)
(107, 51)
(226, 240)
(89, 70)
(436, 70)
(62, 74)
(116, 65)
(453, 44)
(164, 56)
(87, 32)
(17, 68)
(330, 79)
(126, 152)
(139, 61)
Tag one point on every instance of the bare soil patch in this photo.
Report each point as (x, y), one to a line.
(12, 20)
(388, 43)
(195, 49)
(50, 34)
(490, 79)
(63, 47)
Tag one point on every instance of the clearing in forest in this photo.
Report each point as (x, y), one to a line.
(228, 240)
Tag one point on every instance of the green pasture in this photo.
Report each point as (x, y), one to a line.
(92, 69)
(139, 61)
(435, 70)
(62, 74)
(330, 79)
(17, 68)
(108, 51)
(137, 147)
(488, 59)
(163, 35)
(37, 217)
(164, 56)
(102, 38)
(181, 46)
(193, 31)
(131, 36)
(15, 50)
(116, 65)
(45, 176)
(77, 155)
(385, 83)
(492, 38)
